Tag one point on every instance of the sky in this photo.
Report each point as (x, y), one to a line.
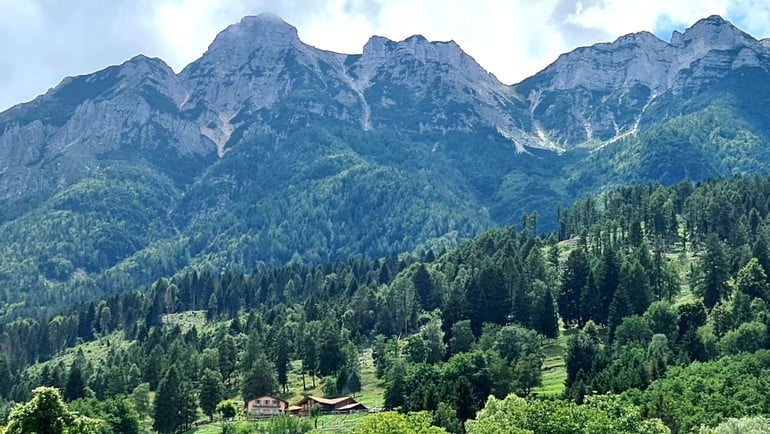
(44, 41)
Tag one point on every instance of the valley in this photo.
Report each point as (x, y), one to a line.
(584, 251)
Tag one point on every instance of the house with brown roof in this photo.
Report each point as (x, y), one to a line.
(343, 404)
(267, 405)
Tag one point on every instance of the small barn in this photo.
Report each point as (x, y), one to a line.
(344, 404)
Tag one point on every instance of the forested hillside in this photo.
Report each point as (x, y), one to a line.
(659, 293)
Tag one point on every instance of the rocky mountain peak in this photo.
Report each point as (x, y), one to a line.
(642, 57)
(262, 29)
(709, 50)
(378, 47)
(643, 38)
(633, 58)
(634, 70)
(416, 46)
(242, 63)
(142, 65)
(234, 46)
(711, 33)
(383, 51)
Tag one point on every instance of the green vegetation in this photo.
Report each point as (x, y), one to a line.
(433, 335)
(554, 372)
(330, 191)
(390, 422)
(46, 413)
(708, 393)
(149, 285)
(601, 414)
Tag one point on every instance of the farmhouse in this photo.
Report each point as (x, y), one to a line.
(267, 405)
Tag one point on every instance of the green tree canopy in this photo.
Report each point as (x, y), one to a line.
(600, 415)
(175, 403)
(752, 280)
(391, 423)
(46, 413)
(211, 392)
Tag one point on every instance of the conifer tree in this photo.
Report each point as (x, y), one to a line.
(259, 378)
(424, 289)
(548, 321)
(175, 403)
(76, 385)
(330, 357)
(211, 392)
(591, 308)
(714, 272)
(228, 356)
(574, 279)
(579, 360)
(608, 280)
(282, 357)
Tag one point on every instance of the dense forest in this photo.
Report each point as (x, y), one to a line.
(661, 294)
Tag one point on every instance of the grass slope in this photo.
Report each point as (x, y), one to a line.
(371, 396)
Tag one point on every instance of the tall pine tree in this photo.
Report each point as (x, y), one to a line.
(175, 403)
(714, 270)
(574, 279)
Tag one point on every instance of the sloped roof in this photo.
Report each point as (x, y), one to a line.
(324, 401)
(352, 406)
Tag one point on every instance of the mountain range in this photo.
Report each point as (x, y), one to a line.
(268, 151)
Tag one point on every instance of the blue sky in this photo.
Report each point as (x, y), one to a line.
(46, 40)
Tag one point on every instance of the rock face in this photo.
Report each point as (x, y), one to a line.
(258, 78)
(127, 111)
(428, 86)
(602, 91)
(255, 72)
(252, 69)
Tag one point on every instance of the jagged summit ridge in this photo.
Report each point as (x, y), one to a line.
(259, 63)
(643, 57)
(705, 38)
(235, 45)
(637, 57)
(441, 71)
(258, 78)
(380, 50)
(611, 85)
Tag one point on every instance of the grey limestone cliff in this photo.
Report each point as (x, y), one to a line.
(257, 77)
(601, 92)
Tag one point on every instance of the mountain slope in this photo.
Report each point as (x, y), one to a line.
(267, 150)
(609, 91)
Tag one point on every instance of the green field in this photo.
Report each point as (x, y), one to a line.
(342, 424)
(554, 373)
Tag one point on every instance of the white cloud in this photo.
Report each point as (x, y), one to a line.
(45, 41)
